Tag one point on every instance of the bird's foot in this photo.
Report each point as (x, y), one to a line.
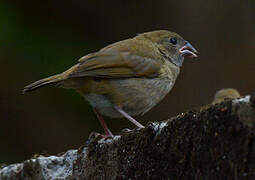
(125, 130)
(95, 135)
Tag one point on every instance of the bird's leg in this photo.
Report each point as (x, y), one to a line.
(128, 117)
(108, 133)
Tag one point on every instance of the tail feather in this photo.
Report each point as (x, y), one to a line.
(49, 80)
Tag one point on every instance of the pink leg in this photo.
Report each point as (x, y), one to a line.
(102, 122)
(126, 115)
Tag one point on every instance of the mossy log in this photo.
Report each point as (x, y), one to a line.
(213, 142)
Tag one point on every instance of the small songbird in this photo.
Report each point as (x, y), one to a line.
(223, 94)
(126, 78)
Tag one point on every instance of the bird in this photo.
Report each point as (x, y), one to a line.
(226, 93)
(126, 78)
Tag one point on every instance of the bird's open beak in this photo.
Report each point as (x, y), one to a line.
(188, 50)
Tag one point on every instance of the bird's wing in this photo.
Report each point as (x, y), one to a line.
(115, 64)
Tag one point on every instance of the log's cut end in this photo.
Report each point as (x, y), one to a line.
(213, 142)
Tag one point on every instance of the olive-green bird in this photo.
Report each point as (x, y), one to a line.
(126, 78)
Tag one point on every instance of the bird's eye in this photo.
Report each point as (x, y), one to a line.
(173, 40)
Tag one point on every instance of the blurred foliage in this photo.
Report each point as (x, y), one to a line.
(38, 39)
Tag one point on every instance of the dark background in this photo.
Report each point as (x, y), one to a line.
(41, 38)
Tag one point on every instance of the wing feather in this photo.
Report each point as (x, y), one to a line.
(114, 64)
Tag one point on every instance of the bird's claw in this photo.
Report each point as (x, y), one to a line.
(125, 130)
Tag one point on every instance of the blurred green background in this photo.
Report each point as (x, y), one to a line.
(41, 38)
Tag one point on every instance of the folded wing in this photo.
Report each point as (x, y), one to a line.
(114, 64)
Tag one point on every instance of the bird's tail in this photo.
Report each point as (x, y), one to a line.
(46, 81)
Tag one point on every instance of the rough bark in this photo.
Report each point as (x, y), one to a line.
(213, 142)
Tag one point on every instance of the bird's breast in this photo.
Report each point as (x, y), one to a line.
(169, 70)
(134, 95)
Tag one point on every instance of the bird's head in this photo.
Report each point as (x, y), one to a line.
(172, 46)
